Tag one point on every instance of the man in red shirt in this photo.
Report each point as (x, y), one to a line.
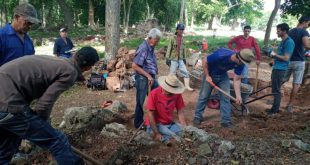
(161, 103)
(242, 42)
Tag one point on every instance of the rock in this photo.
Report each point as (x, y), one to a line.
(197, 134)
(118, 107)
(144, 139)
(26, 146)
(119, 162)
(111, 82)
(286, 143)
(301, 145)
(226, 147)
(114, 130)
(119, 64)
(203, 161)
(77, 118)
(204, 149)
(192, 160)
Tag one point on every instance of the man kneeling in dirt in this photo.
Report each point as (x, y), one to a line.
(160, 104)
(43, 78)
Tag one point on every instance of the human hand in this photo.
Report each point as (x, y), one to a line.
(209, 79)
(257, 62)
(150, 80)
(157, 136)
(106, 103)
(238, 100)
(272, 54)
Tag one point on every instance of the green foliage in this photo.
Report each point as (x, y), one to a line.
(209, 8)
(296, 7)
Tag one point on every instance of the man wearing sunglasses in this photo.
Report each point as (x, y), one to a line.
(242, 42)
(14, 40)
(215, 68)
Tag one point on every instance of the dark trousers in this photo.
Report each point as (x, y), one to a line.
(142, 90)
(277, 77)
(28, 125)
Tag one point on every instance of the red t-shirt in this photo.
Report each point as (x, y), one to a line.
(242, 43)
(163, 106)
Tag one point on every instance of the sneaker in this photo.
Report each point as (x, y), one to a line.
(196, 122)
(227, 125)
(289, 108)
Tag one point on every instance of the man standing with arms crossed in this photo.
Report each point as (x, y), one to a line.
(242, 42)
(296, 67)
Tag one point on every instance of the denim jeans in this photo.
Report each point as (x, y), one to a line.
(141, 92)
(245, 74)
(179, 64)
(173, 130)
(277, 77)
(222, 81)
(28, 125)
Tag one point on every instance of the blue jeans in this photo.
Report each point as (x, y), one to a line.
(173, 130)
(245, 74)
(222, 81)
(179, 64)
(277, 77)
(142, 91)
(28, 125)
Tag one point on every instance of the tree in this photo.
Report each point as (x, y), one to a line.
(270, 21)
(182, 11)
(112, 29)
(22, 1)
(91, 13)
(296, 7)
(67, 12)
(127, 15)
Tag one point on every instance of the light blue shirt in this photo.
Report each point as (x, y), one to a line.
(286, 47)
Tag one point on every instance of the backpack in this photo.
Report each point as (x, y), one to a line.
(96, 82)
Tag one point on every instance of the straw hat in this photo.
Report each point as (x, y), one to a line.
(246, 56)
(171, 84)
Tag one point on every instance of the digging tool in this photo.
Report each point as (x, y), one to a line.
(85, 156)
(256, 78)
(219, 89)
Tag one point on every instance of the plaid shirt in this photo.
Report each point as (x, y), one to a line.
(146, 59)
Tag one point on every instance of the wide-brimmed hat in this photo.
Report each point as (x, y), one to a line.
(246, 56)
(171, 84)
(28, 11)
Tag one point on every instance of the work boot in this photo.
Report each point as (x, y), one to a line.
(186, 83)
(196, 122)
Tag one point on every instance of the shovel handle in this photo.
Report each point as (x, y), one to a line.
(219, 89)
(85, 156)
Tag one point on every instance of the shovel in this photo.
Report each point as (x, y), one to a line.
(256, 78)
(219, 89)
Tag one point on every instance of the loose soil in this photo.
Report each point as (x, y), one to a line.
(255, 127)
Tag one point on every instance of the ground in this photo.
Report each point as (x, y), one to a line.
(257, 137)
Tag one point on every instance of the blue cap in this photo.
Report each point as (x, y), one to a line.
(180, 27)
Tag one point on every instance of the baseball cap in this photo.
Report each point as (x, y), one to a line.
(63, 30)
(180, 27)
(246, 56)
(28, 11)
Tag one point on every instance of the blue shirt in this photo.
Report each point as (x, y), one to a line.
(60, 47)
(219, 62)
(146, 59)
(12, 47)
(286, 46)
(297, 34)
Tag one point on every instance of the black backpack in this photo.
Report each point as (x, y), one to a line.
(96, 82)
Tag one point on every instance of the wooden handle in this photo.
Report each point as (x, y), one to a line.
(85, 156)
(219, 89)
(256, 78)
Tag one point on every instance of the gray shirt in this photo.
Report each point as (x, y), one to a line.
(35, 77)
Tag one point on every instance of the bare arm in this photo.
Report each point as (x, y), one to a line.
(205, 67)
(181, 117)
(141, 71)
(305, 41)
(157, 135)
(237, 84)
(286, 57)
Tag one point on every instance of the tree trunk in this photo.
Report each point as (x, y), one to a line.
(148, 10)
(128, 16)
(270, 21)
(186, 17)
(43, 25)
(192, 21)
(211, 22)
(234, 24)
(182, 11)
(125, 12)
(22, 1)
(91, 19)
(67, 13)
(112, 30)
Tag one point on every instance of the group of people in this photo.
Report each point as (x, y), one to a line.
(162, 101)
(25, 78)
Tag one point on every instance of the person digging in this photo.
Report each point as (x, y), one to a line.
(161, 103)
(215, 68)
(41, 78)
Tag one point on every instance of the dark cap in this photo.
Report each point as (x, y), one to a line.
(180, 27)
(28, 11)
(63, 30)
(87, 56)
(304, 19)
